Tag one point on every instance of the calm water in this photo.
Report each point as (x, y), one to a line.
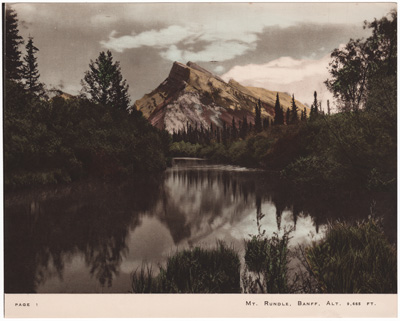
(89, 237)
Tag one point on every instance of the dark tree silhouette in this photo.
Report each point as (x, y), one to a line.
(11, 52)
(314, 107)
(257, 118)
(30, 70)
(104, 84)
(278, 120)
(294, 117)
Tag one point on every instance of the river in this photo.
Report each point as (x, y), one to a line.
(89, 237)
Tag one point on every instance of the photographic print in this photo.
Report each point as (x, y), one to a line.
(169, 152)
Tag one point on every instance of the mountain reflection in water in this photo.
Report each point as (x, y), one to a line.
(89, 237)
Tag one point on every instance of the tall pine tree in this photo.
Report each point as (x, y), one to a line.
(279, 118)
(104, 84)
(11, 52)
(30, 70)
(233, 130)
(257, 118)
(294, 117)
(314, 107)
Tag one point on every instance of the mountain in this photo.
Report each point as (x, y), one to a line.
(195, 95)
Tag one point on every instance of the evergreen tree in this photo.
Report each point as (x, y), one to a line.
(314, 107)
(287, 116)
(211, 134)
(278, 120)
(11, 52)
(233, 130)
(304, 114)
(224, 136)
(257, 118)
(244, 128)
(294, 116)
(30, 72)
(104, 84)
(265, 123)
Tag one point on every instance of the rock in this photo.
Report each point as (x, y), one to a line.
(192, 94)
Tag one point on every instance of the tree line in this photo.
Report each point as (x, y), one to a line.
(55, 139)
(352, 149)
(241, 129)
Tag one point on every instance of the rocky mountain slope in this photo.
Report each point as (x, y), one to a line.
(193, 95)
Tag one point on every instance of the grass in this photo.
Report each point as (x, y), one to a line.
(354, 259)
(351, 258)
(267, 259)
(196, 270)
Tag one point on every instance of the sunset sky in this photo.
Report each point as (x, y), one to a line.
(278, 46)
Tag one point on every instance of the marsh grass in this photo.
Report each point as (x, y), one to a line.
(351, 258)
(354, 259)
(267, 259)
(144, 280)
(196, 270)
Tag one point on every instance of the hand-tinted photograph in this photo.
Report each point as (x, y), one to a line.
(200, 148)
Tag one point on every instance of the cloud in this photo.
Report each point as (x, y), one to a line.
(152, 38)
(219, 69)
(214, 52)
(220, 46)
(298, 76)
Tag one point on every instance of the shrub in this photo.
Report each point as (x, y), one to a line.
(193, 271)
(354, 259)
(268, 258)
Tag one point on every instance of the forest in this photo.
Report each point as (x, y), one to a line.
(52, 138)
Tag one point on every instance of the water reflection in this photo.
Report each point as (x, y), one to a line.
(89, 237)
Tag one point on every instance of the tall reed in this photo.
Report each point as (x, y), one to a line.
(354, 259)
(195, 270)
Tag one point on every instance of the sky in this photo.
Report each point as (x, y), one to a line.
(278, 46)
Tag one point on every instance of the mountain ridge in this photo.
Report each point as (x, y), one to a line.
(194, 95)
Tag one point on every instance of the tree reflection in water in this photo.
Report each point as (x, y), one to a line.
(47, 230)
(89, 219)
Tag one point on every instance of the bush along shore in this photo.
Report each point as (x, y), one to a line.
(353, 258)
(351, 150)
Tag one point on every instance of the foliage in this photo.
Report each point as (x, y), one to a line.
(354, 259)
(12, 53)
(64, 140)
(257, 118)
(144, 281)
(314, 108)
(278, 120)
(29, 70)
(185, 149)
(193, 271)
(294, 117)
(103, 83)
(268, 259)
(354, 66)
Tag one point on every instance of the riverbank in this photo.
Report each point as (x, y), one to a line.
(350, 258)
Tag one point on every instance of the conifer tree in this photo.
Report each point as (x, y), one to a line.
(257, 118)
(304, 114)
(11, 52)
(278, 119)
(294, 116)
(244, 128)
(104, 84)
(314, 107)
(287, 116)
(265, 123)
(233, 129)
(30, 70)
